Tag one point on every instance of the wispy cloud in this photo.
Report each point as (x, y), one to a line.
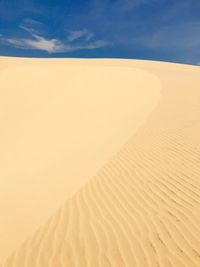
(76, 40)
(75, 35)
(154, 29)
(38, 43)
(31, 26)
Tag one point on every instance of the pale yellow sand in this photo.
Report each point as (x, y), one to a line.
(143, 207)
(61, 120)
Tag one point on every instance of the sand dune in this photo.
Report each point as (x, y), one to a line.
(142, 207)
(61, 121)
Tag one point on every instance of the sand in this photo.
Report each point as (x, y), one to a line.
(116, 141)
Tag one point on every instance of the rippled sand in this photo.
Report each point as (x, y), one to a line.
(118, 142)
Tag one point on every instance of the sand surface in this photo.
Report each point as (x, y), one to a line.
(118, 142)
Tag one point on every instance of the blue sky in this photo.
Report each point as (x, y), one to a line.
(167, 30)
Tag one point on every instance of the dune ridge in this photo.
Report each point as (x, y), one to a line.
(142, 208)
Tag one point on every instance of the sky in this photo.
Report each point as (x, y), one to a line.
(164, 30)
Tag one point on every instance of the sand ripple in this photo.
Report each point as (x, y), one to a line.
(142, 209)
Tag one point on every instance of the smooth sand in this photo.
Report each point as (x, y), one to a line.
(132, 125)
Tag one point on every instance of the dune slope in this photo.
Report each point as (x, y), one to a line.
(61, 120)
(142, 208)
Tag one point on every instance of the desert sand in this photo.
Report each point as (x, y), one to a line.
(100, 163)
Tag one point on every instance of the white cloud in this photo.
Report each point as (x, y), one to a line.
(53, 45)
(84, 40)
(38, 43)
(29, 30)
(75, 35)
(31, 26)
